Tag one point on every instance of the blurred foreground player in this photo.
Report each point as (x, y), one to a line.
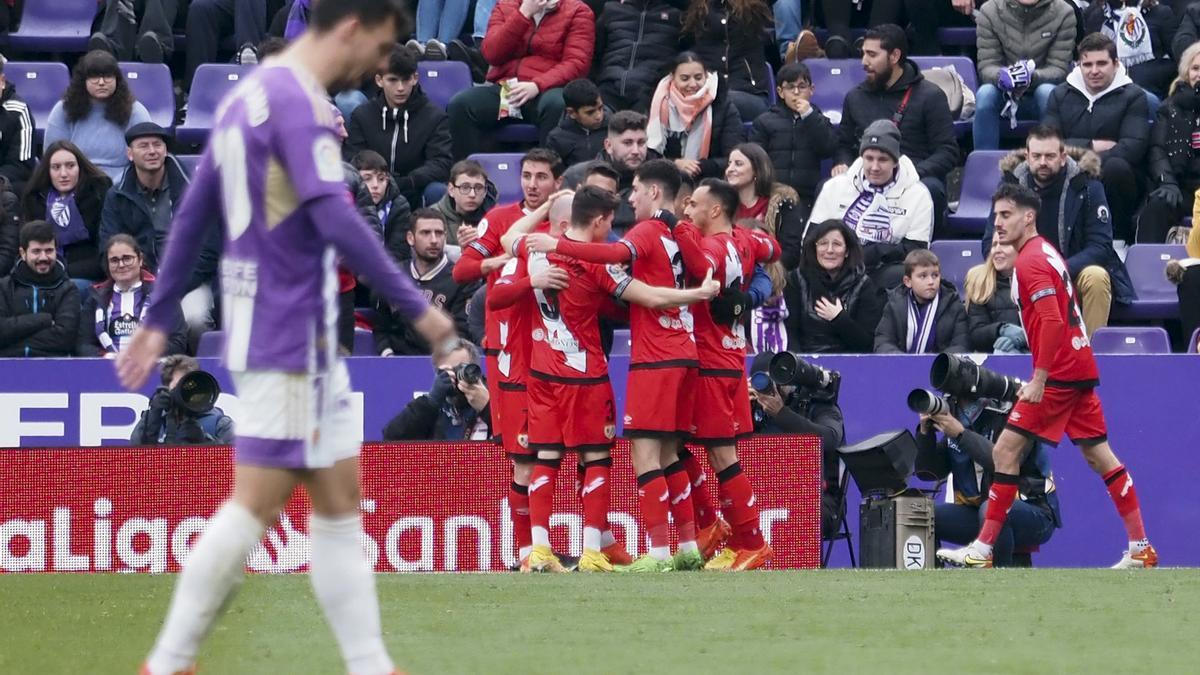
(1061, 397)
(273, 176)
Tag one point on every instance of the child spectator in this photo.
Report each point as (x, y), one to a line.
(393, 209)
(580, 135)
(925, 315)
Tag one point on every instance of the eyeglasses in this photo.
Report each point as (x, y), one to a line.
(470, 189)
(797, 87)
(101, 78)
(122, 261)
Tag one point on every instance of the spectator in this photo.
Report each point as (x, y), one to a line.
(392, 208)
(728, 37)
(16, 138)
(113, 309)
(166, 421)
(926, 16)
(833, 306)
(432, 272)
(896, 90)
(68, 191)
(144, 28)
(469, 195)
(438, 23)
(762, 198)
(1187, 32)
(211, 22)
(881, 198)
(925, 316)
(797, 137)
(1099, 107)
(452, 410)
(405, 128)
(992, 314)
(626, 147)
(142, 205)
(39, 306)
(1174, 154)
(10, 227)
(1186, 275)
(1023, 45)
(580, 135)
(839, 16)
(692, 121)
(636, 40)
(601, 174)
(1074, 218)
(95, 112)
(534, 48)
(1145, 30)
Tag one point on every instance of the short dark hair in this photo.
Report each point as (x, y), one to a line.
(1097, 42)
(626, 120)
(724, 193)
(369, 160)
(579, 93)
(663, 173)
(401, 63)
(854, 252)
(1017, 194)
(177, 363)
(591, 202)
(545, 156)
(427, 213)
(271, 46)
(794, 72)
(599, 167)
(39, 231)
(891, 37)
(1044, 132)
(323, 16)
(920, 257)
(469, 167)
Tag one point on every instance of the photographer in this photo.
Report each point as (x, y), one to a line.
(456, 408)
(181, 411)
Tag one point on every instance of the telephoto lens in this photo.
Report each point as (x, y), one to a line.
(787, 368)
(927, 402)
(761, 382)
(468, 372)
(196, 393)
(960, 376)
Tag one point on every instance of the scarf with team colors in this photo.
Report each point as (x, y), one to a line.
(922, 327)
(127, 309)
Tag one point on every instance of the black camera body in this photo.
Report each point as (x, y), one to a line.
(470, 373)
(811, 381)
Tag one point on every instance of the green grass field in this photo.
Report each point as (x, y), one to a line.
(1027, 621)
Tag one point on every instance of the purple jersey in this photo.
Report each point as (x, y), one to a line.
(272, 174)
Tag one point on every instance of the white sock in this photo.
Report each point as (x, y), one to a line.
(212, 572)
(607, 539)
(1139, 545)
(688, 546)
(982, 548)
(660, 552)
(591, 538)
(345, 588)
(541, 536)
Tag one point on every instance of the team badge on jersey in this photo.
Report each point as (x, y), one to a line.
(1102, 214)
(328, 160)
(538, 335)
(610, 431)
(523, 440)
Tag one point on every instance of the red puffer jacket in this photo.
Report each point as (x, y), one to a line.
(549, 54)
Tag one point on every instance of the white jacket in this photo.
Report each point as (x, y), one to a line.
(908, 203)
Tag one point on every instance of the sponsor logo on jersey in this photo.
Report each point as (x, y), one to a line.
(628, 419)
(538, 335)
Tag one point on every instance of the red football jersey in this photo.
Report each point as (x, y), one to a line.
(1040, 275)
(491, 228)
(659, 335)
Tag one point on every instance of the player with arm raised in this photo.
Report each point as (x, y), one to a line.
(272, 176)
(1061, 396)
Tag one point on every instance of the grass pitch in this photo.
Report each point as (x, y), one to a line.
(1027, 621)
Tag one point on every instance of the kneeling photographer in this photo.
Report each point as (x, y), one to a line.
(183, 410)
(456, 408)
(970, 413)
(791, 396)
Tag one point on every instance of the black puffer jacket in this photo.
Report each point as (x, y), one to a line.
(1120, 114)
(851, 332)
(732, 49)
(39, 314)
(1188, 30)
(796, 146)
(636, 41)
(1173, 161)
(926, 129)
(82, 257)
(10, 228)
(984, 320)
(395, 219)
(727, 132)
(950, 323)
(414, 139)
(575, 144)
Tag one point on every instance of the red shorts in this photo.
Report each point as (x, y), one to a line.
(493, 386)
(722, 411)
(659, 402)
(1075, 412)
(514, 421)
(578, 417)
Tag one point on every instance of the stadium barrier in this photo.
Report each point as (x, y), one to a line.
(427, 507)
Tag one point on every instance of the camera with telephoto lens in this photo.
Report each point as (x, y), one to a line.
(196, 394)
(811, 381)
(470, 373)
(927, 402)
(962, 378)
(761, 382)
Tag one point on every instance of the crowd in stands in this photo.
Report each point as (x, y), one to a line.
(1098, 105)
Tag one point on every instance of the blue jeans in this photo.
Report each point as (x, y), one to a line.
(483, 12)
(989, 100)
(441, 20)
(1026, 526)
(787, 23)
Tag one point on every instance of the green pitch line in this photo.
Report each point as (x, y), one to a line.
(1011, 621)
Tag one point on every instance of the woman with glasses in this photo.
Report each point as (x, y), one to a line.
(96, 111)
(113, 308)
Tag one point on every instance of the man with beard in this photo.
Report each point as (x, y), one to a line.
(39, 306)
(625, 150)
(896, 90)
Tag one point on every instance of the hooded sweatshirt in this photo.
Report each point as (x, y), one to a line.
(414, 139)
(1118, 113)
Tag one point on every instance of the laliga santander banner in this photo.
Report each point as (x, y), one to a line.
(427, 507)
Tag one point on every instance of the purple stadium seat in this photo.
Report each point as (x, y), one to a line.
(956, 257)
(55, 26)
(620, 343)
(41, 85)
(960, 36)
(189, 162)
(364, 343)
(832, 79)
(441, 80)
(516, 133)
(1131, 340)
(503, 169)
(981, 176)
(152, 86)
(211, 343)
(1157, 297)
(213, 81)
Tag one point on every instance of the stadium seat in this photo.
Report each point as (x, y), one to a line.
(957, 256)
(981, 175)
(959, 36)
(503, 169)
(1157, 297)
(966, 70)
(620, 344)
(1131, 340)
(364, 343)
(212, 82)
(152, 86)
(211, 344)
(441, 80)
(55, 26)
(189, 162)
(832, 80)
(41, 85)
(516, 133)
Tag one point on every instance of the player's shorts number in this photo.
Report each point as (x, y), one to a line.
(229, 148)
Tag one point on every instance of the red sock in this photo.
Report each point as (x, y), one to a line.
(1000, 499)
(541, 500)
(702, 502)
(518, 502)
(738, 505)
(1120, 488)
(653, 496)
(680, 489)
(595, 495)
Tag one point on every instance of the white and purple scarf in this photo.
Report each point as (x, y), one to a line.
(63, 213)
(116, 323)
(922, 324)
(1128, 29)
(770, 335)
(868, 214)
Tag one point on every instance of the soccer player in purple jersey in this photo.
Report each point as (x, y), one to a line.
(272, 175)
